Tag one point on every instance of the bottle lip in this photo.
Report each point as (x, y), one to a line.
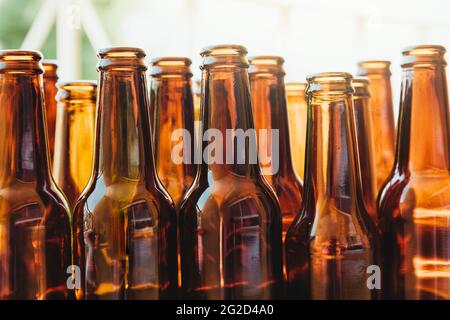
(361, 87)
(266, 65)
(77, 90)
(170, 66)
(295, 88)
(50, 68)
(19, 61)
(329, 83)
(121, 59)
(369, 67)
(423, 56)
(224, 56)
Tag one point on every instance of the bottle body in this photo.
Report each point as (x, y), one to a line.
(125, 222)
(50, 90)
(35, 232)
(413, 203)
(230, 222)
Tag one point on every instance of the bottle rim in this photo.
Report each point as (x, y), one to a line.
(423, 56)
(360, 86)
(76, 90)
(266, 65)
(329, 83)
(372, 67)
(224, 56)
(293, 88)
(170, 66)
(121, 59)
(50, 68)
(12, 60)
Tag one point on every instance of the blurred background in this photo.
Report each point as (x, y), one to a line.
(312, 35)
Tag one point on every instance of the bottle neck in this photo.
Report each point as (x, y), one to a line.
(23, 141)
(423, 140)
(269, 104)
(123, 145)
(229, 139)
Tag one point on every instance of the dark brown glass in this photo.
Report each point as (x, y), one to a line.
(364, 147)
(270, 113)
(50, 90)
(382, 114)
(230, 221)
(414, 203)
(74, 141)
(330, 243)
(35, 232)
(172, 108)
(125, 221)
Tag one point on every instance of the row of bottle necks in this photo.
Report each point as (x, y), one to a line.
(337, 209)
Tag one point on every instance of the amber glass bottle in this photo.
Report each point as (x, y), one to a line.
(382, 114)
(364, 146)
(50, 90)
(125, 222)
(414, 203)
(330, 243)
(74, 141)
(197, 99)
(270, 114)
(230, 221)
(35, 232)
(173, 110)
(297, 117)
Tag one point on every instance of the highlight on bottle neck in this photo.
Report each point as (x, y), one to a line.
(76, 90)
(329, 84)
(224, 56)
(361, 87)
(167, 67)
(20, 61)
(374, 67)
(423, 56)
(296, 88)
(50, 69)
(266, 65)
(121, 59)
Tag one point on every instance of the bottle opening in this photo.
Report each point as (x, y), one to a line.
(224, 56)
(19, 61)
(50, 67)
(295, 88)
(171, 66)
(361, 87)
(331, 83)
(266, 65)
(76, 90)
(423, 56)
(370, 67)
(121, 59)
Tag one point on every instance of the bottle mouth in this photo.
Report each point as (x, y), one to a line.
(266, 65)
(121, 59)
(76, 90)
(361, 87)
(423, 56)
(295, 88)
(50, 67)
(21, 61)
(224, 56)
(373, 67)
(171, 67)
(330, 83)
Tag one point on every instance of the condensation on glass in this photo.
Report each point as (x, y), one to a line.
(331, 243)
(74, 138)
(50, 90)
(35, 232)
(125, 221)
(297, 116)
(230, 221)
(414, 203)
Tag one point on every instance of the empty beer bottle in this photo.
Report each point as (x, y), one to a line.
(414, 203)
(74, 141)
(35, 231)
(125, 222)
(230, 221)
(297, 117)
(382, 114)
(50, 90)
(364, 147)
(173, 123)
(329, 245)
(272, 131)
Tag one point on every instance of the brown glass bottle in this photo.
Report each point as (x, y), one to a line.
(382, 114)
(297, 117)
(364, 147)
(74, 141)
(172, 111)
(329, 245)
(414, 203)
(230, 221)
(125, 222)
(35, 232)
(50, 90)
(269, 113)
